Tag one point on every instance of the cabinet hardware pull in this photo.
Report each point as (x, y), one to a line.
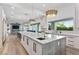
(70, 41)
(27, 42)
(70, 45)
(71, 37)
(34, 47)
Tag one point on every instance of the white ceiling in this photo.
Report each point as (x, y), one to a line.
(22, 12)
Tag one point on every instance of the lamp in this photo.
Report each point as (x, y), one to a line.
(51, 13)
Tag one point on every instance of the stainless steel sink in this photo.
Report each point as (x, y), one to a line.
(40, 38)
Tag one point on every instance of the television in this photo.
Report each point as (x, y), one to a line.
(15, 27)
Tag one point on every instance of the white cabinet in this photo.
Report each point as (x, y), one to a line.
(36, 48)
(72, 51)
(55, 48)
(33, 47)
(72, 42)
(63, 46)
(27, 43)
(72, 45)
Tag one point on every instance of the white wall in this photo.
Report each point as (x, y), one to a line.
(65, 12)
(1, 28)
(74, 12)
(77, 16)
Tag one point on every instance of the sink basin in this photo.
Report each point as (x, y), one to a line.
(41, 38)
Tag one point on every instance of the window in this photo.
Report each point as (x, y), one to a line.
(35, 27)
(50, 25)
(39, 27)
(66, 25)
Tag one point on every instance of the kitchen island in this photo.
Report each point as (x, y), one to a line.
(50, 45)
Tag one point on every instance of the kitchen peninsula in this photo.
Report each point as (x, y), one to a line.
(50, 45)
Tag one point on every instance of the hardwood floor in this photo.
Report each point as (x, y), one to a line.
(13, 47)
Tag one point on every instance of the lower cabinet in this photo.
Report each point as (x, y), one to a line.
(72, 51)
(32, 47)
(56, 47)
(72, 42)
(36, 48)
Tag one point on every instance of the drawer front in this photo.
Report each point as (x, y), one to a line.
(73, 42)
(70, 45)
(76, 45)
(76, 40)
(69, 38)
(70, 41)
(72, 52)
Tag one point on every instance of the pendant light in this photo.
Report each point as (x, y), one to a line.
(32, 19)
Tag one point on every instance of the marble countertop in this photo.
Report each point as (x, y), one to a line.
(65, 33)
(49, 38)
(72, 35)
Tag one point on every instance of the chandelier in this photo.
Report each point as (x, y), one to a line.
(51, 13)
